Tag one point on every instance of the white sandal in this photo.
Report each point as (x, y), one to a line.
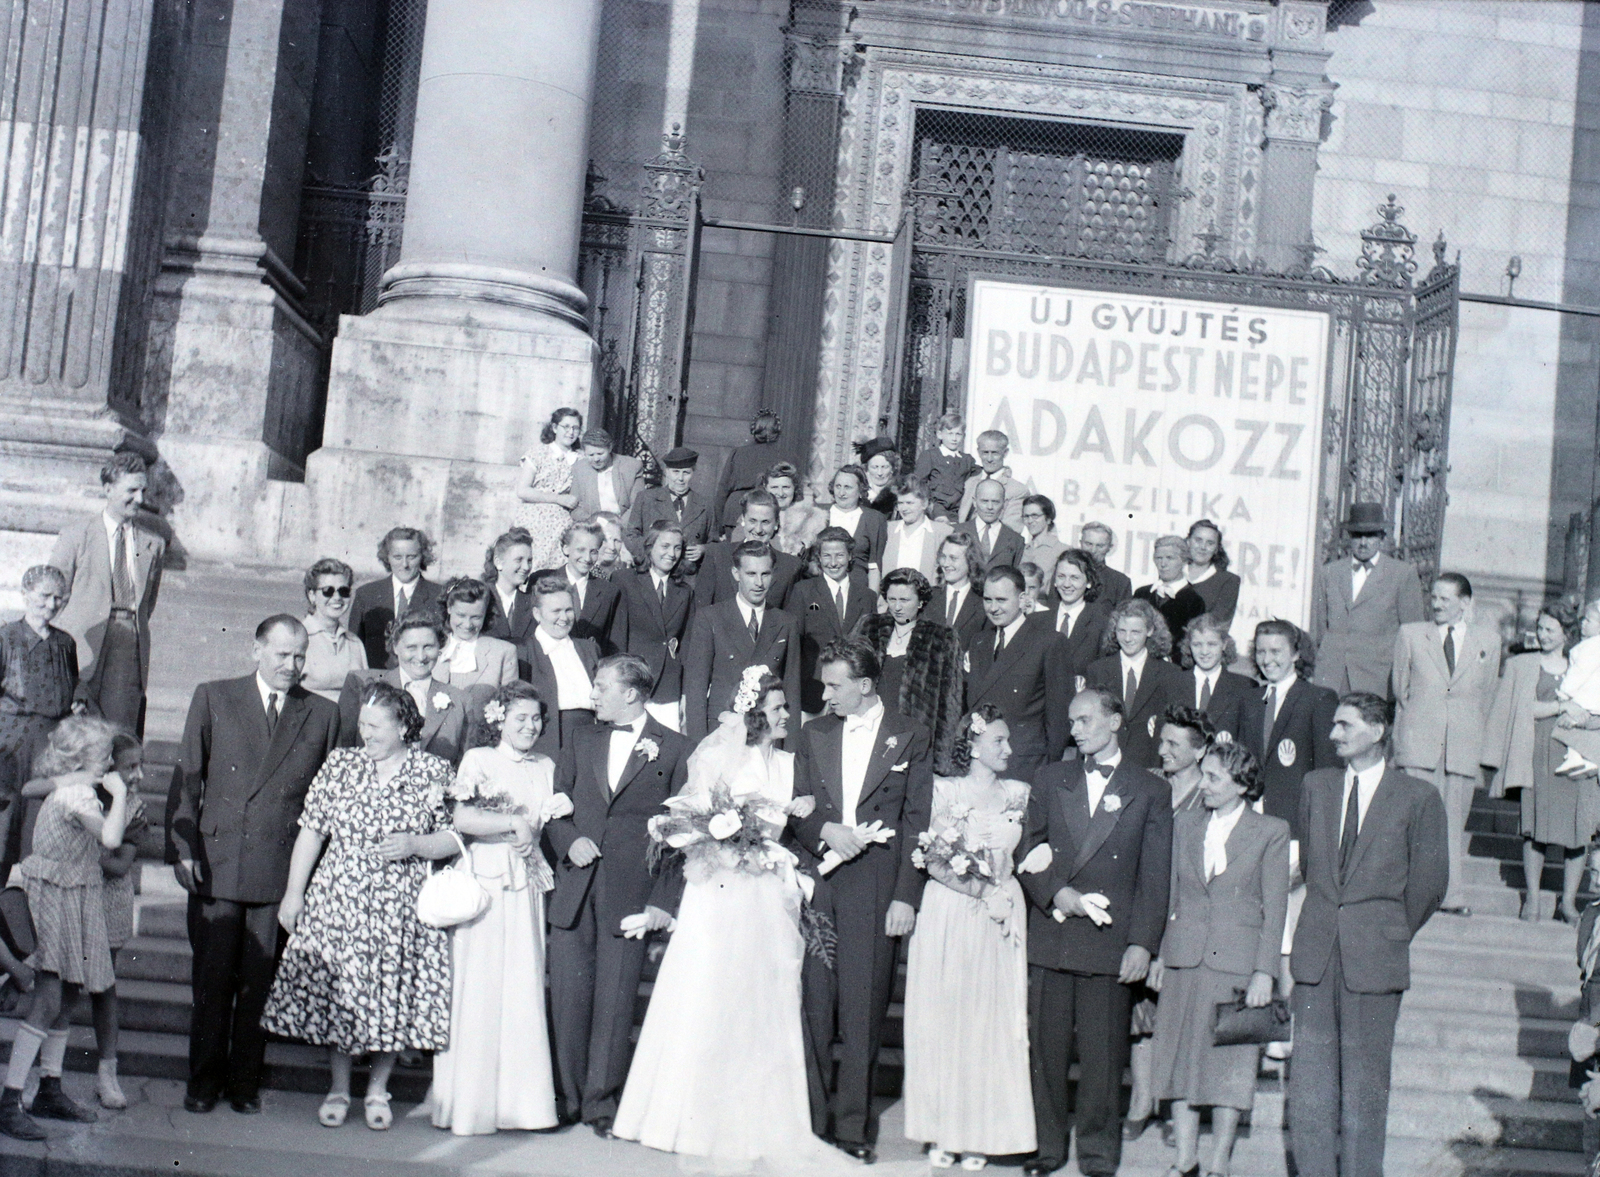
(379, 1117)
(939, 1158)
(335, 1107)
(974, 1162)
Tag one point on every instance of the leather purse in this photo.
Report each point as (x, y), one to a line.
(452, 895)
(1237, 1024)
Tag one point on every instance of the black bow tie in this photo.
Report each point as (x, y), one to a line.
(1364, 565)
(614, 727)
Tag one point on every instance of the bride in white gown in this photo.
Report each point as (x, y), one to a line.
(720, 1070)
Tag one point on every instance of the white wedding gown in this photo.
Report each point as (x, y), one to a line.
(720, 1070)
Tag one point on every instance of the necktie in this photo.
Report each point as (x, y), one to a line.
(951, 610)
(399, 603)
(677, 505)
(999, 642)
(661, 589)
(1130, 688)
(272, 712)
(1066, 623)
(1268, 717)
(1450, 648)
(1352, 828)
(838, 598)
(578, 588)
(1205, 693)
(988, 540)
(755, 627)
(416, 689)
(122, 593)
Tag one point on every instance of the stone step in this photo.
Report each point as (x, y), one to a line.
(1455, 1071)
(1438, 1030)
(156, 958)
(1483, 960)
(1484, 1118)
(1487, 928)
(1488, 995)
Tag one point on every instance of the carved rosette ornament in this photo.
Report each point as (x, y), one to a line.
(1295, 113)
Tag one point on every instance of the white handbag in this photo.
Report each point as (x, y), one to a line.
(452, 895)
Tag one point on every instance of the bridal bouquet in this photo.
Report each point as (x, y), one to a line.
(957, 848)
(725, 829)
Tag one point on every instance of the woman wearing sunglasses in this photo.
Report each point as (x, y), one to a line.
(333, 651)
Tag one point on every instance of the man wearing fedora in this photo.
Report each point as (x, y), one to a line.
(1358, 606)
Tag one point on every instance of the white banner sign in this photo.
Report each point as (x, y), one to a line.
(1148, 413)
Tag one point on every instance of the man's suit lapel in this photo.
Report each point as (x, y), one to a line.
(1147, 685)
(1385, 809)
(636, 759)
(830, 762)
(998, 664)
(1434, 644)
(292, 714)
(886, 750)
(248, 704)
(599, 760)
(1101, 823)
(432, 718)
(1291, 702)
(1072, 802)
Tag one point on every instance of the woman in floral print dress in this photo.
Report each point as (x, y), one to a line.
(361, 973)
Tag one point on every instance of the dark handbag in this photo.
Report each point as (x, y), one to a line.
(1239, 1025)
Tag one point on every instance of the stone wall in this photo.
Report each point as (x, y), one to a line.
(1466, 110)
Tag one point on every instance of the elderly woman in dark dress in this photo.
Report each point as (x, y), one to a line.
(1560, 811)
(921, 657)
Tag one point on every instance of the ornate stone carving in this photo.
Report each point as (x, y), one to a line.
(1220, 165)
(815, 64)
(1303, 24)
(1295, 113)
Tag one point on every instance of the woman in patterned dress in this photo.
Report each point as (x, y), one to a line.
(361, 974)
(62, 878)
(967, 1086)
(544, 486)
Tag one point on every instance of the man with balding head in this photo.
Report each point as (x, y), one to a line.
(998, 542)
(251, 747)
(993, 447)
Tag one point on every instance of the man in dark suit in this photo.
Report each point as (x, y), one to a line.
(1296, 721)
(1231, 701)
(815, 603)
(1098, 540)
(560, 667)
(727, 638)
(1358, 605)
(864, 763)
(405, 553)
(619, 772)
(1145, 683)
(598, 602)
(958, 601)
(758, 520)
(1100, 906)
(1172, 595)
(251, 747)
(603, 479)
(998, 544)
(1018, 663)
(672, 502)
(414, 642)
(1374, 854)
(657, 609)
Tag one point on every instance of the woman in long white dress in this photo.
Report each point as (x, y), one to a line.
(967, 1087)
(497, 1071)
(720, 1069)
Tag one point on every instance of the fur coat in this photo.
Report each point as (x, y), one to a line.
(932, 688)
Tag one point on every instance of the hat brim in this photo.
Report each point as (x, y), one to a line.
(1365, 529)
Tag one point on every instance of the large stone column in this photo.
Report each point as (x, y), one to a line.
(75, 214)
(479, 332)
(1293, 99)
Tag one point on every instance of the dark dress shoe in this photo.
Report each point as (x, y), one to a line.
(249, 1106)
(1463, 911)
(864, 1153)
(602, 1128)
(14, 1122)
(52, 1103)
(1039, 1167)
(199, 1104)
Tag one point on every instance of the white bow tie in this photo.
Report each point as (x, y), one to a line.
(857, 723)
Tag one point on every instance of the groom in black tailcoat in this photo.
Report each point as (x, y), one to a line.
(863, 762)
(619, 772)
(1108, 824)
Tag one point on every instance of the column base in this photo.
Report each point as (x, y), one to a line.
(51, 452)
(431, 404)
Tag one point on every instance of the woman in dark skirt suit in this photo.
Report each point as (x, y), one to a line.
(1229, 896)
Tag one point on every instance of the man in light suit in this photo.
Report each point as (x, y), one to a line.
(1099, 907)
(1358, 606)
(604, 480)
(251, 747)
(1374, 859)
(863, 762)
(1445, 673)
(112, 562)
(414, 646)
(998, 543)
(993, 447)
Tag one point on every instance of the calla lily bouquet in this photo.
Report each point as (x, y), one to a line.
(737, 830)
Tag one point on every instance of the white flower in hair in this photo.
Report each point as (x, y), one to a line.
(749, 683)
(494, 712)
(979, 724)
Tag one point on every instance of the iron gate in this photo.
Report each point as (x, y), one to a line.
(1393, 339)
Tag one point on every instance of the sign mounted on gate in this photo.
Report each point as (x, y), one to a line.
(1148, 413)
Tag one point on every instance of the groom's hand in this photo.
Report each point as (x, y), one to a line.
(901, 919)
(656, 920)
(582, 852)
(1135, 964)
(845, 842)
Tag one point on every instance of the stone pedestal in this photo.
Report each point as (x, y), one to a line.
(479, 333)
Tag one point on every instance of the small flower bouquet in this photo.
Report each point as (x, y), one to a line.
(724, 829)
(956, 848)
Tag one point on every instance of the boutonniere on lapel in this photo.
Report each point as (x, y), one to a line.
(441, 701)
(1151, 727)
(1110, 802)
(891, 743)
(647, 748)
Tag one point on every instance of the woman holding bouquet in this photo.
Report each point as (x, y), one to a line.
(967, 1087)
(720, 1068)
(497, 1072)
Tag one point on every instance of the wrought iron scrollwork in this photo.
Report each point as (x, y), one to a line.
(1388, 249)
